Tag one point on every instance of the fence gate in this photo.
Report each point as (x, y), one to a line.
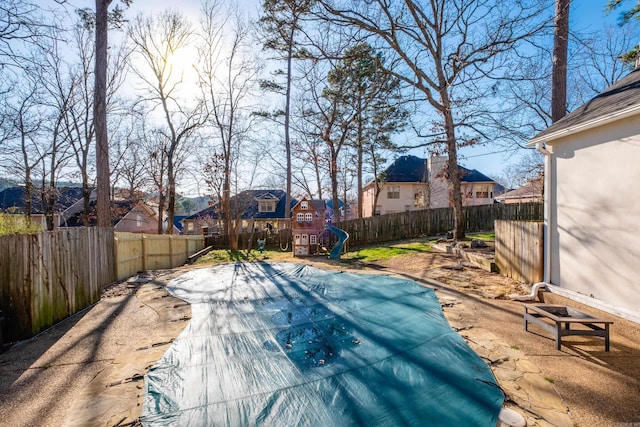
(520, 250)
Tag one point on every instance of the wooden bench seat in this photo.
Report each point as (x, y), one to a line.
(563, 317)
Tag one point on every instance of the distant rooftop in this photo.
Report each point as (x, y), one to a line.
(412, 169)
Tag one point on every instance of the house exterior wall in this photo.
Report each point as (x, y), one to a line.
(414, 196)
(406, 200)
(593, 212)
(137, 220)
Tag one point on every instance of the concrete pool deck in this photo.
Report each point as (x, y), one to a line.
(88, 370)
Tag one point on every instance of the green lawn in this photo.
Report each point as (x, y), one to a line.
(382, 252)
(482, 236)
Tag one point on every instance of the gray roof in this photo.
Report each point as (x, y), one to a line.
(617, 101)
(529, 190)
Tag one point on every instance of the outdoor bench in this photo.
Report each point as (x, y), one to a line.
(563, 317)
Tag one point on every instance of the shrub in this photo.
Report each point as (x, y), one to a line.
(17, 224)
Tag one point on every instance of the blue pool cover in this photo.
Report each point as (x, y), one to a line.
(289, 345)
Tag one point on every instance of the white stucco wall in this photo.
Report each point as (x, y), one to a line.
(594, 213)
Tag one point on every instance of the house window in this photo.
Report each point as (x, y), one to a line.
(393, 192)
(300, 217)
(304, 205)
(313, 239)
(483, 194)
(266, 206)
(308, 217)
(297, 239)
(190, 226)
(139, 220)
(305, 239)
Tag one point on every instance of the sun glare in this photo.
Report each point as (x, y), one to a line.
(181, 64)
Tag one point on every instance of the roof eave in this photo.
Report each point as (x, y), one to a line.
(600, 121)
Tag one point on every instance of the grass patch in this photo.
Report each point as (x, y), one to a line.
(482, 236)
(381, 253)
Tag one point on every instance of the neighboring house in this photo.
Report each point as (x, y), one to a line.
(127, 216)
(12, 200)
(413, 183)
(531, 191)
(250, 210)
(140, 218)
(592, 200)
(308, 224)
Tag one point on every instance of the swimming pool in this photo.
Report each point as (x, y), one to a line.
(280, 344)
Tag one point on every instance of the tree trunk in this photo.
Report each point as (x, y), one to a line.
(230, 227)
(559, 73)
(86, 197)
(172, 194)
(287, 139)
(161, 201)
(28, 194)
(333, 174)
(360, 161)
(100, 114)
(455, 196)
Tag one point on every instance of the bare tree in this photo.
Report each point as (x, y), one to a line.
(130, 156)
(23, 125)
(447, 48)
(156, 147)
(604, 54)
(157, 41)
(21, 24)
(330, 120)
(227, 74)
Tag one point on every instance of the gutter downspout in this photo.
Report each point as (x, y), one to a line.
(548, 218)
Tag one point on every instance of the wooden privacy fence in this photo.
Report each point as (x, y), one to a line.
(520, 249)
(48, 276)
(431, 222)
(139, 252)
